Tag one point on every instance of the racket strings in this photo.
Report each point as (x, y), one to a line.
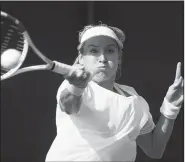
(11, 37)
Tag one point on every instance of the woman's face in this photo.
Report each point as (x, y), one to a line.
(101, 54)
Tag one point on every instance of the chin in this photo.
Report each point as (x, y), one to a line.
(101, 77)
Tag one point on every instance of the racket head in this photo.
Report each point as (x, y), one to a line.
(12, 37)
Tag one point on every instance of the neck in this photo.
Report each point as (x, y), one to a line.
(108, 84)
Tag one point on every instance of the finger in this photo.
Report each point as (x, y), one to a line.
(78, 66)
(89, 76)
(181, 100)
(70, 76)
(79, 73)
(177, 83)
(178, 71)
(70, 73)
(182, 84)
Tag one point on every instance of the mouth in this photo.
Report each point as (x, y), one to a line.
(102, 67)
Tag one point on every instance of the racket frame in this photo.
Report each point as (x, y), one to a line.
(27, 42)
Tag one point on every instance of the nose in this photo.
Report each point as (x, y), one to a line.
(103, 58)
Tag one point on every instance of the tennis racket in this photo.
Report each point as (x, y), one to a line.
(14, 36)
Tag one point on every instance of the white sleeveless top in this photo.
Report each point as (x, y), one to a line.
(105, 128)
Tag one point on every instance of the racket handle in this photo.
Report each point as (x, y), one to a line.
(61, 68)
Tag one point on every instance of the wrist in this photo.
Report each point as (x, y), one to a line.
(169, 110)
(75, 90)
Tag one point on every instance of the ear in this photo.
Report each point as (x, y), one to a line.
(120, 58)
(119, 62)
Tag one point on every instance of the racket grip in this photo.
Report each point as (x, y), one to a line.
(61, 68)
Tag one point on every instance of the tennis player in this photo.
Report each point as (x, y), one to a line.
(98, 119)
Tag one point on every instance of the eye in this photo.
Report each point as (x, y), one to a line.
(93, 51)
(110, 50)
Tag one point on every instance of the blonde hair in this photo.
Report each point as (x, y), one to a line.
(119, 33)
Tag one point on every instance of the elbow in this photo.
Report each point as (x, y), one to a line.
(70, 104)
(155, 154)
(69, 108)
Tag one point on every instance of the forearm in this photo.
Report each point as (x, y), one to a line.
(164, 127)
(69, 102)
(154, 143)
(70, 99)
(161, 135)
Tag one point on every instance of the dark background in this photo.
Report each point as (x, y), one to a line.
(154, 45)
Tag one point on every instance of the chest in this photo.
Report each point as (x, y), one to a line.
(108, 115)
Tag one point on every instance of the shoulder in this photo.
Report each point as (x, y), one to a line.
(146, 123)
(124, 88)
(130, 91)
(62, 86)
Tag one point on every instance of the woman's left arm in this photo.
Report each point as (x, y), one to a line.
(154, 143)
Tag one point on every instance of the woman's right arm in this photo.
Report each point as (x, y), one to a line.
(69, 102)
(70, 98)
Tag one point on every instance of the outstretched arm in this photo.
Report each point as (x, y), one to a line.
(154, 143)
(70, 97)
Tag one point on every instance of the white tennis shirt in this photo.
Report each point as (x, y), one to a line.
(105, 128)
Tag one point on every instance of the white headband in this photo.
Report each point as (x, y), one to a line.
(99, 31)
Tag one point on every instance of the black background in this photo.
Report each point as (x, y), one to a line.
(154, 45)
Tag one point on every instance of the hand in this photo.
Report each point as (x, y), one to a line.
(175, 91)
(79, 76)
